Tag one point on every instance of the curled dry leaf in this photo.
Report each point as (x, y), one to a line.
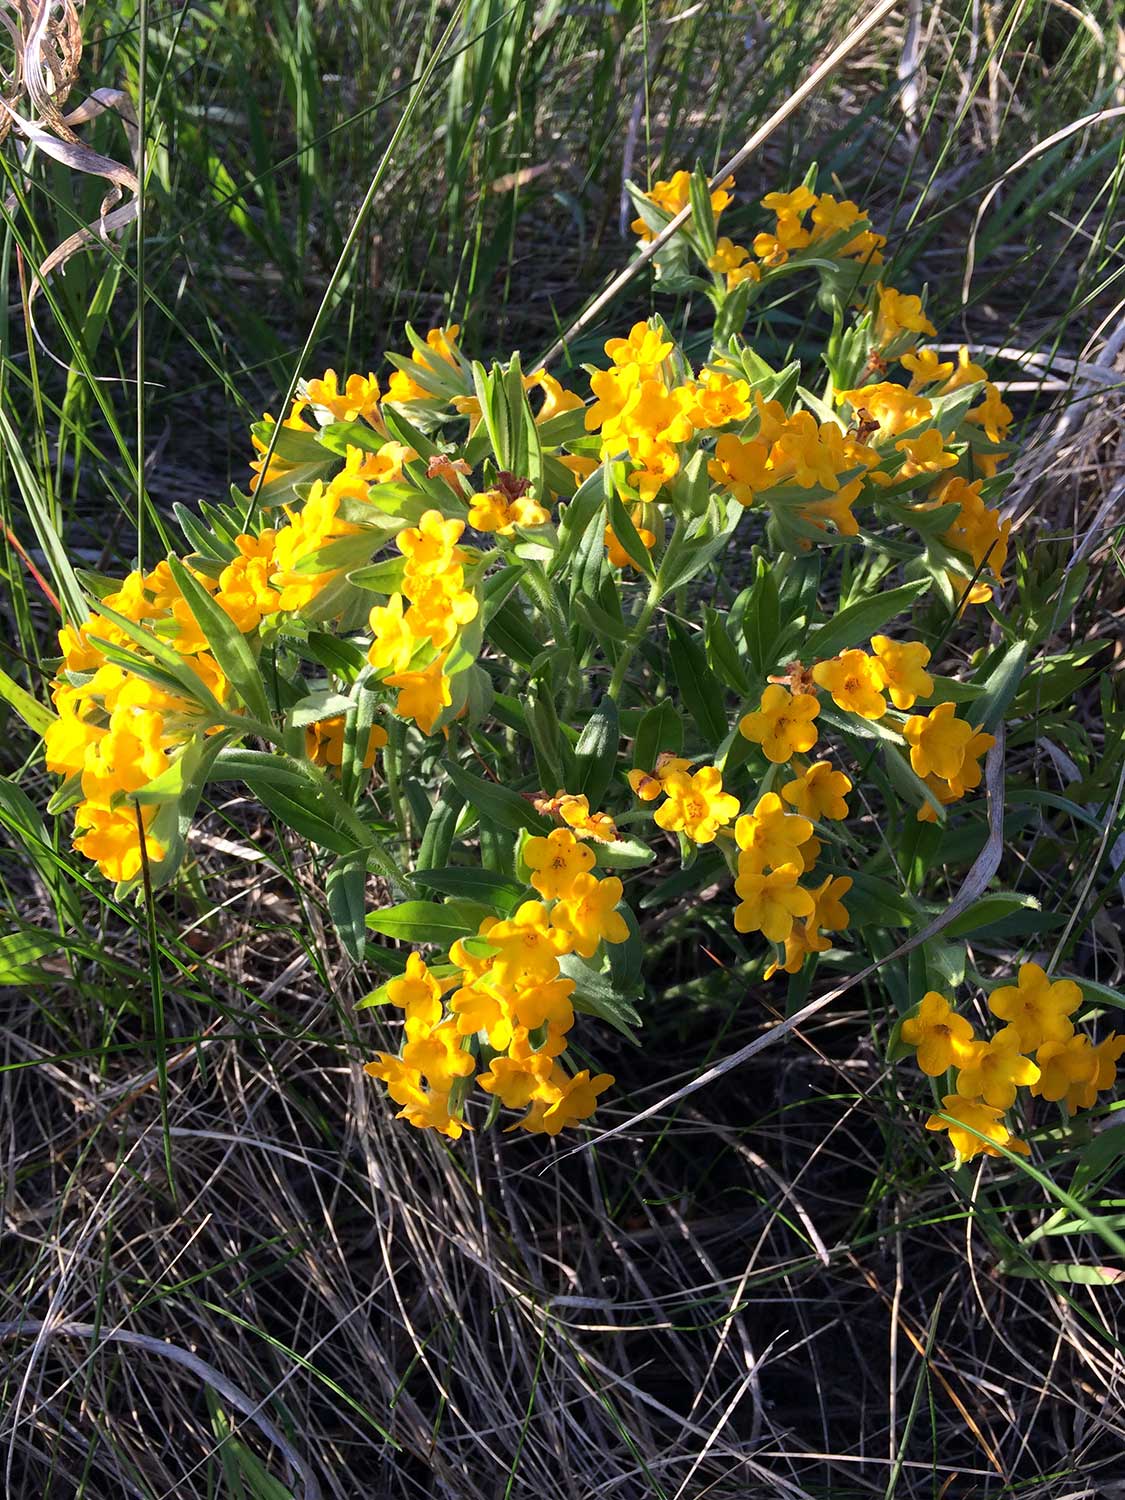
(47, 48)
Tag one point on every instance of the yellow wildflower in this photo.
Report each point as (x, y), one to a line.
(829, 910)
(941, 1038)
(716, 399)
(769, 837)
(529, 943)
(648, 785)
(994, 1069)
(1083, 1095)
(483, 1010)
(518, 1078)
(646, 348)
(588, 914)
(938, 741)
(556, 861)
(575, 812)
(111, 838)
(1039, 1010)
(769, 902)
(854, 682)
(971, 1116)
(1070, 1063)
(899, 313)
(782, 725)
(359, 397)
(422, 695)
(394, 643)
(926, 367)
(569, 1101)
(696, 804)
(818, 792)
(324, 742)
(431, 546)
(403, 1083)
(439, 1057)
(899, 667)
(492, 510)
(741, 467)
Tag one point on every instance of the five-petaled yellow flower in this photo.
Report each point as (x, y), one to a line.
(938, 741)
(941, 1038)
(818, 792)
(971, 1119)
(770, 902)
(782, 724)
(899, 665)
(995, 1069)
(556, 861)
(1039, 1010)
(696, 805)
(855, 682)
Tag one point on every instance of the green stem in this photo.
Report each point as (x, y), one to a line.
(634, 639)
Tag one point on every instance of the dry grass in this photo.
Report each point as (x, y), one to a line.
(773, 1293)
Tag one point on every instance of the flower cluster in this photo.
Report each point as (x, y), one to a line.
(458, 635)
(504, 1004)
(410, 646)
(1038, 1049)
(673, 196)
(118, 731)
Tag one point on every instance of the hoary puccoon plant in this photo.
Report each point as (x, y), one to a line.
(525, 654)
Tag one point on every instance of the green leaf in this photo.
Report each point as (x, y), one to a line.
(437, 840)
(34, 714)
(1101, 994)
(257, 766)
(860, 621)
(205, 544)
(382, 577)
(722, 654)
(293, 792)
(343, 658)
(227, 643)
(318, 706)
(702, 221)
(578, 514)
(761, 626)
(488, 887)
(1000, 688)
(425, 921)
(595, 755)
(20, 953)
(594, 995)
(990, 910)
(497, 587)
(346, 887)
(498, 803)
(873, 902)
(58, 560)
(510, 631)
(623, 854)
(554, 759)
(628, 535)
(698, 685)
(21, 818)
(660, 729)
(301, 817)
